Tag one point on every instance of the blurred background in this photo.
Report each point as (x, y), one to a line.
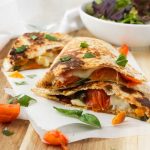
(37, 12)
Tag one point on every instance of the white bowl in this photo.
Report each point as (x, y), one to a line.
(134, 35)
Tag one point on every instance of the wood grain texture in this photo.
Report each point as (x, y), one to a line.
(25, 138)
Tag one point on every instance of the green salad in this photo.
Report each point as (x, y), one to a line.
(125, 11)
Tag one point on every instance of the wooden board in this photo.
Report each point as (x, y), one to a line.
(25, 138)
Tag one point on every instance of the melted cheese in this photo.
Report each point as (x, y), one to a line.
(83, 73)
(77, 102)
(118, 103)
(44, 60)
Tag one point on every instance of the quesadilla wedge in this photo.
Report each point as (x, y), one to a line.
(85, 74)
(35, 50)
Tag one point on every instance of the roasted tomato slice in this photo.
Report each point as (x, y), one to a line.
(105, 74)
(109, 74)
(97, 100)
(130, 80)
(9, 112)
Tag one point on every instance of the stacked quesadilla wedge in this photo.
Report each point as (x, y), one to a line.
(85, 74)
(34, 50)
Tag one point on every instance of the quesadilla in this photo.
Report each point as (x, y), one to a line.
(35, 50)
(86, 74)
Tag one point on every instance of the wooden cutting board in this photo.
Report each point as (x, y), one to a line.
(25, 138)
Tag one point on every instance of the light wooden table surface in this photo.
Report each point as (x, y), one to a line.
(25, 138)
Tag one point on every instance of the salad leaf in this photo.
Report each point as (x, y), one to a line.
(120, 14)
(122, 3)
(143, 8)
(125, 11)
(89, 9)
(132, 17)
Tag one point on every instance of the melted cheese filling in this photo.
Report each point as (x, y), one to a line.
(119, 103)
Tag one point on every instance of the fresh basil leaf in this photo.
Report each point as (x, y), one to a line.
(122, 60)
(82, 81)
(25, 100)
(50, 37)
(90, 119)
(84, 44)
(86, 118)
(65, 58)
(31, 76)
(6, 132)
(88, 55)
(21, 83)
(21, 49)
(70, 113)
(33, 37)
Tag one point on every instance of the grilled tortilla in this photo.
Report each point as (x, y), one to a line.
(72, 67)
(107, 97)
(96, 82)
(35, 50)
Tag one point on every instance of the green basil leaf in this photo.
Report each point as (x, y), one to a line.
(90, 119)
(33, 37)
(86, 118)
(23, 100)
(70, 113)
(65, 58)
(6, 132)
(31, 76)
(21, 49)
(50, 37)
(88, 55)
(21, 83)
(84, 44)
(122, 60)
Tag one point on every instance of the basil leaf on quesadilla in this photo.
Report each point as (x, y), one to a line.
(21, 49)
(78, 114)
(71, 113)
(65, 58)
(122, 60)
(90, 119)
(84, 44)
(34, 37)
(88, 55)
(50, 37)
